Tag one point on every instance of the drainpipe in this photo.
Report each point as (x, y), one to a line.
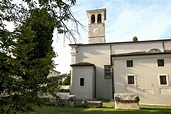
(163, 46)
(112, 71)
(95, 81)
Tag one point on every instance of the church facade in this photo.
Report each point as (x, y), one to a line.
(100, 69)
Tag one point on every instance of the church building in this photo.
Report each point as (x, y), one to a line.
(100, 69)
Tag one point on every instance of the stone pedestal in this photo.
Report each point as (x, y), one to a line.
(126, 101)
(90, 104)
(66, 100)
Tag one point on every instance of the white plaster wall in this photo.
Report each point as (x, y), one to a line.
(99, 56)
(167, 45)
(86, 91)
(134, 47)
(147, 84)
(52, 74)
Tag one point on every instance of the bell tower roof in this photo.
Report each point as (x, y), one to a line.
(97, 11)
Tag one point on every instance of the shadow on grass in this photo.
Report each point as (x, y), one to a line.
(126, 112)
(108, 108)
(114, 111)
(166, 109)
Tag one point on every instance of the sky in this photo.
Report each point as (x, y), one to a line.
(146, 19)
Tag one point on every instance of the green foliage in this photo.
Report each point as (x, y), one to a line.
(66, 78)
(24, 76)
(26, 53)
(64, 90)
(135, 39)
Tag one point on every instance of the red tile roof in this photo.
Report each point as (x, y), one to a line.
(140, 53)
(82, 64)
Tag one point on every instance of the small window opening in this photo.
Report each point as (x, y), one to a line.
(99, 20)
(160, 62)
(107, 72)
(81, 81)
(163, 80)
(129, 63)
(131, 80)
(93, 19)
(154, 51)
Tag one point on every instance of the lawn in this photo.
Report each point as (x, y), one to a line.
(108, 108)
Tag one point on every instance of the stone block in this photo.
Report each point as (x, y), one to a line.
(92, 104)
(126, 101)
(66, 100)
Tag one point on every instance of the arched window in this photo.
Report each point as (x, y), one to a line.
(99, 19)
(155, 50)
(93, 19)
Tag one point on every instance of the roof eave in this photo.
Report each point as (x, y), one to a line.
(142, 54)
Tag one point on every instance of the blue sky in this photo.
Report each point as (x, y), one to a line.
(146, 19)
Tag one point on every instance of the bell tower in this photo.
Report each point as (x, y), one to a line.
(96, 25)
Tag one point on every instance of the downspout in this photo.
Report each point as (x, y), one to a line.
(112, 71)
(95, 81)
(163, 46)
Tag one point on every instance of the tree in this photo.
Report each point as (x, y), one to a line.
(135, 39)
(59, 9)
(26, 53)
(33, 59)
(67, 78)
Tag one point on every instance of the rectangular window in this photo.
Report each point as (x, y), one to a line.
(131, 79)
(107, 72)
(81, 81)
(163, 79)
(129, 63)
(160, 62)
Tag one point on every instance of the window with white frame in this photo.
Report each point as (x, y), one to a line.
(163, 80)
(155, 50)
(131, 80)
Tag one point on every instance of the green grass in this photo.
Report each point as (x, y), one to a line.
(108, 108)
